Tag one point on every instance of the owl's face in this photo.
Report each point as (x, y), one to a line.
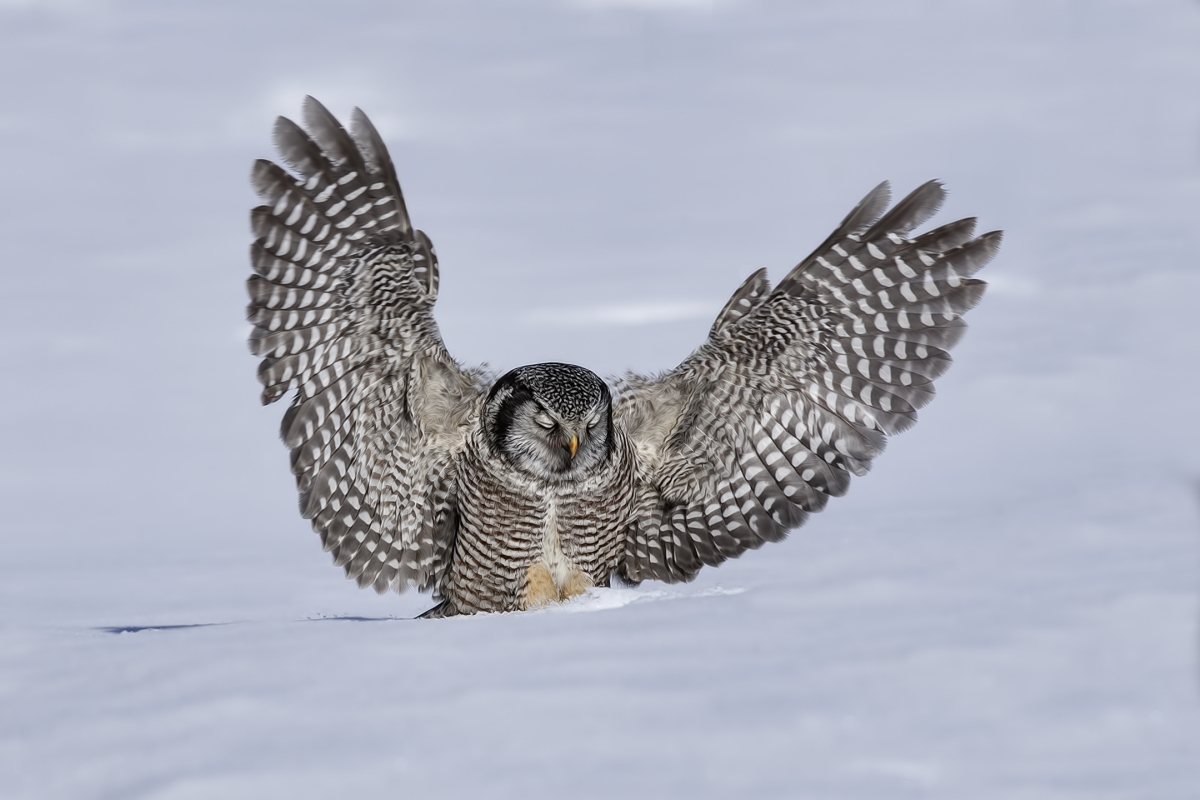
(553, 421)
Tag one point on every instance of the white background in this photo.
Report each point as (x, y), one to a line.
(1005, 608)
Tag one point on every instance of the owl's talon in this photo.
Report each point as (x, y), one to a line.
(539, 587)
(576, 584)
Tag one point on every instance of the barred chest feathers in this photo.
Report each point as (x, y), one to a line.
(523, 541)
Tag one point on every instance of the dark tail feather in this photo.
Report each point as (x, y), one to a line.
(440, 611)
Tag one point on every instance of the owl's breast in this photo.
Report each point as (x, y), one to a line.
(594, 515)
(521, 541)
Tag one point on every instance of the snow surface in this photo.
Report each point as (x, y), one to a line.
(1006, 607)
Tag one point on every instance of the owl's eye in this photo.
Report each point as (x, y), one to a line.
(544, 421)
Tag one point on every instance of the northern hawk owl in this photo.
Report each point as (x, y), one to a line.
(506, 494)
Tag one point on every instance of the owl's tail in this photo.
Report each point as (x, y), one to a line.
(440, 611)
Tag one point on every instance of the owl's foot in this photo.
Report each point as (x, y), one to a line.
(576, 584)
(539, 587)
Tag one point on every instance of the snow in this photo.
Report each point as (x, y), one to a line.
(1005, 608)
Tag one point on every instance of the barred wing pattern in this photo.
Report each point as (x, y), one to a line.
(341, 304)
(797, 388)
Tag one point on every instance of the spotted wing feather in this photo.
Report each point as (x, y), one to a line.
(341, 300)
(798, 387)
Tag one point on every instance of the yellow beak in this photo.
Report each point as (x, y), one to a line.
(573, 444)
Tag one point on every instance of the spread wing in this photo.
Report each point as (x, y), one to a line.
(797, 387)
(342, 306)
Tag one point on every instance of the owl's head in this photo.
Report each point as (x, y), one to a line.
(553, 421)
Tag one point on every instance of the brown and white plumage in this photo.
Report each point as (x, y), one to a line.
(504, 495)
(797, 387)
